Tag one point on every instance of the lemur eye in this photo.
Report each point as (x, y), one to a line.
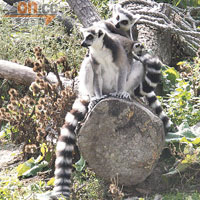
(124, 22)
(137, 45)
(90, 37)
(117, 18)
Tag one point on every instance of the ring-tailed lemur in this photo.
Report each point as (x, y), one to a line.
(110, 68)
(120, 23)
(123, 20)
(110, 64)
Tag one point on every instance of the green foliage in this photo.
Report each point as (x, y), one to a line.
(181, 196)
(18, 41)
(79, 166)
(185, 145)
(184, 131)
(182, 102)
(28, 113)
(169, 79)
(31, 167)
(13, 189)
(183, 106)
(102, 7)
(86, 186)
(5, 132)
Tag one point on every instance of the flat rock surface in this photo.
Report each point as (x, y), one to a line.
(121, 139)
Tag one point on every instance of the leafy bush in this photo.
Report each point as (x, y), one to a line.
(182, 101)
(102, 7)
(29, 113)
(19, 40)
(41, 112)
(185, 147)
(183, 106)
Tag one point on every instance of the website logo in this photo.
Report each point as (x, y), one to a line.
(34, 10)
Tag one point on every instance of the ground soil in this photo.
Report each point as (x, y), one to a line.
(9, 154)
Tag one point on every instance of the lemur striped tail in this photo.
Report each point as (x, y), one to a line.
(147, 87)
(65, 148)
(153, 71)
(152, 76)
(156, 105)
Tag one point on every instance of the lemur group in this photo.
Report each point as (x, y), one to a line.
(109, 69)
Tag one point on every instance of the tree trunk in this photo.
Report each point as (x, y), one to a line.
(121, 139)
(11, 2)
(85, 11)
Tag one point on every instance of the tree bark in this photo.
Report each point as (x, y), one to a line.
(11, 2)
(25, 75)
(85, 11)
(18, 73)
(168, 32)
(121, 139)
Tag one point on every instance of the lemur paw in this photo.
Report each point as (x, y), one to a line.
(92, 104)
(94, 101)
(122, 95)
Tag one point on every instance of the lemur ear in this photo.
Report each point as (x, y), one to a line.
(100, 33)
(116, 8)
(82, 29)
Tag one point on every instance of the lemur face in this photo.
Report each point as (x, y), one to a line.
(122, 22)
(123, 19)
(138, 48)
(92, 36)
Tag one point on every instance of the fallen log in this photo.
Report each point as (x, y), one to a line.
(16, 72)
(121, 139)
(25, 75)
